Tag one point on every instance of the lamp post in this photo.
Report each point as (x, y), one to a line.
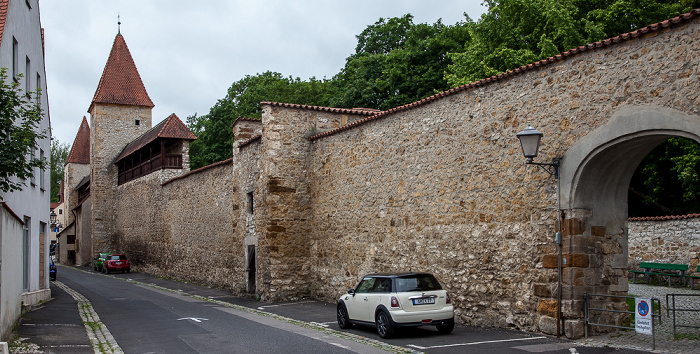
(530, 143)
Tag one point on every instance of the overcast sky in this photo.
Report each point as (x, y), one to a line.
(188, 53)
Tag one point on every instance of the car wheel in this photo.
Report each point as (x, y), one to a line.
(383, 323)
(128, 270)
(343, 318)
(447, 326)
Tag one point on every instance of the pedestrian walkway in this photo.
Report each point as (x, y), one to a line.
(689, 338)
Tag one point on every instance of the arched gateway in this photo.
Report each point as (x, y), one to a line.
(595, 175)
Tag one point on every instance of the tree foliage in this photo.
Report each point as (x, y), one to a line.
(397, 62)
(59, 155)
(667, 182)
(20, 117)
(514, 33)
(214, 130)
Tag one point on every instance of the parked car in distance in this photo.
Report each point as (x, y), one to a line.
(116, 262)
(392, 300)
(98, 261)
(52, 269)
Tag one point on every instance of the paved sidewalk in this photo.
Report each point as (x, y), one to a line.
(690, 342)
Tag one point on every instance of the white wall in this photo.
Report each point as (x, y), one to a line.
(23, 24)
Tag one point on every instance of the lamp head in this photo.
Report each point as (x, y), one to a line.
(529, 142)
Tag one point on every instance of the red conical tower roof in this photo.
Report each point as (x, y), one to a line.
(121, 82)
(80, 151)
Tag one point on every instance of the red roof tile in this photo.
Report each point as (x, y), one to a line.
(172, 127)
(500, 77)
(80, 151)
(361, 111)
(664, 218)
(3, 16)
(121, 82)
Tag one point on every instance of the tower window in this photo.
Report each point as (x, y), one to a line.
(251, 203)
(137, 122)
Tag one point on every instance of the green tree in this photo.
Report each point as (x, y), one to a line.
(20, 116)
(667, 182)
(214, 130)
(514, 33)
(398, 62)
(59, 154)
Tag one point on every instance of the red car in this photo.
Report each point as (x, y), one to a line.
(116, 262)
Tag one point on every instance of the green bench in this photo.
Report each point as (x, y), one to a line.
(647, 268)
(693, 277)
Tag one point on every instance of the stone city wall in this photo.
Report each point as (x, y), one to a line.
(670, 239)
(443, 186)
(182, 228)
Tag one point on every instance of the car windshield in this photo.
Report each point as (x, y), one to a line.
(417, 282)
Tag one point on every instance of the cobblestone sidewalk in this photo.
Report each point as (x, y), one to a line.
(689, 341)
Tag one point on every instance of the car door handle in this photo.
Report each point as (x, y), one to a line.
(366, 299)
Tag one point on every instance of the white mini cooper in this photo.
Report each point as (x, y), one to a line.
(391, 300)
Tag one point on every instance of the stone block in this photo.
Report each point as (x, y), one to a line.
(574, 329)
(550, 261)
(548, 325)
(547, 308)
(572, 227)
(542, 290)
(598, 231)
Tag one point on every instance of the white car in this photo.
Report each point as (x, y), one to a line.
(391, 300)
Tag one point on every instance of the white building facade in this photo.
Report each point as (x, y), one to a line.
(24, 215)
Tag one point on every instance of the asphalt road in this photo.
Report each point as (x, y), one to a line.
(145, 314)
(145, 319)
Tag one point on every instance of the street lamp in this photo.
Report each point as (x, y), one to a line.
(530, 143)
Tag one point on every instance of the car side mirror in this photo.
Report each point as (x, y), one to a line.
(351, 292)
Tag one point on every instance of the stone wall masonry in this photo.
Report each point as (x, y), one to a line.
(665, 240)
(282, 221)
(112, 126)
(247, 179)
(443, 187)
(182, 228)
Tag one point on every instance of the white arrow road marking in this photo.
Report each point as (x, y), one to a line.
(193, 319)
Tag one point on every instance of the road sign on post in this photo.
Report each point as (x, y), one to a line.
(643, 321)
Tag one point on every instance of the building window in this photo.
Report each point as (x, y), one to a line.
(26, 234)
(60, 211)
(250, 203)
(27, 70)
(32, 179)
(137, 122)
(15, 59)
(70, 239)
(38, 89)
(41, 171)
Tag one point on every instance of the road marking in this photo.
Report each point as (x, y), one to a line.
(472, 343)
(196, 319)
(287, 304)
(339, 345)
(324, 324)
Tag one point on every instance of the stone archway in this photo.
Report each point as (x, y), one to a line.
(595, 175)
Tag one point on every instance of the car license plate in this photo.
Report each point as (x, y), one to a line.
(117, 263)
(424, 301)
